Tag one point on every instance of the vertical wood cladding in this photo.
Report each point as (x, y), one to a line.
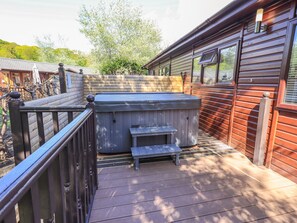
(259, 72)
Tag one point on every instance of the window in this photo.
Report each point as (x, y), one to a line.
(209, 74)
(16, 79)
(216, 66)
(196, 69)
(291, 88)
(209, 57)
(165, 70)
(152, 72)
(227, 64)
(287, 98)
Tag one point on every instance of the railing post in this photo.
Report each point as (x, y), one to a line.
(62, 78)
(262, 127)
(91, 104)
(16, 127)
(183, 77)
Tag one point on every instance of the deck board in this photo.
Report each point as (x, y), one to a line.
(206, 189)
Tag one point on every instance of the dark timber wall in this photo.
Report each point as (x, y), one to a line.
(284, 156)
(259, 72)
(216, 101)
(182, 63)
(230, 113)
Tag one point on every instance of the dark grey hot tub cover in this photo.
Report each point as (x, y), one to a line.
(113, 102)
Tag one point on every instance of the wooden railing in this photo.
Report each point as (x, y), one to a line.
(19, 116)
(57, 182)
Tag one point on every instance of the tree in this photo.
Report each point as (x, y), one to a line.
(7, 49)
(120, 66)
(46, 45)
(27, 52)
(48, 53)
(44, 52)
(118, 33)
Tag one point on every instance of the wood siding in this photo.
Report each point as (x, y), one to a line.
(230, 113)
(259, 72)
(216, 101)
(182, 63)
(284, 156)
(215, 110)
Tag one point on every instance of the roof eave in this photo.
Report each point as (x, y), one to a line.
(210, 25)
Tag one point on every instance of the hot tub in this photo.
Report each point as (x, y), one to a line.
(117, 112)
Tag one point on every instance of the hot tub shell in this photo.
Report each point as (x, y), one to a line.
(117, 112)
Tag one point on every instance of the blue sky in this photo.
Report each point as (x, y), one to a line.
(24, 20)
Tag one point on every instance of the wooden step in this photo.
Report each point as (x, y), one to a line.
(151, 131)
(155, 151)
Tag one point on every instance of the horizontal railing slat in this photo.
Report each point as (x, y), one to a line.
(77, 108)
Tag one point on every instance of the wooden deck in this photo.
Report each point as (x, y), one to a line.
(215, 188)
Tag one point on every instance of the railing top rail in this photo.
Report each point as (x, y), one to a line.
(15, 184)
(4, 96)
(77, 108)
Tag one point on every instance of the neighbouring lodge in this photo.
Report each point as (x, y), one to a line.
(16, 73)
(230, 60)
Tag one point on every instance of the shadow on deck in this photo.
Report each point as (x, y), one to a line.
(221, 187)
(207, 145)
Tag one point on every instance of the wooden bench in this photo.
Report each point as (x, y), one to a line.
(152, 131)
(155, 151)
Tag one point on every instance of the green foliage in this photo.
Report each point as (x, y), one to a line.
(48, 53)
(44, 52)
(46, 49)
(117, 32)
(27, 52)
(7, 49)
(121, 66)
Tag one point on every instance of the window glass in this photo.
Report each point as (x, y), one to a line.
(16, 79)
(209, 58)
(291, 89)
(196, 69)
(209, 74)
(167, 70)
(227, 62)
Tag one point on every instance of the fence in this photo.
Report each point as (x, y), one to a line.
(131, 83)
(74, 96)
(57, 183)
(22, 133)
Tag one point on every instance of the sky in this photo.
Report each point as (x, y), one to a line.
(22, 21)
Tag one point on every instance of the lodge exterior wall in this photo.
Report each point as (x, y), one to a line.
(230, 113)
